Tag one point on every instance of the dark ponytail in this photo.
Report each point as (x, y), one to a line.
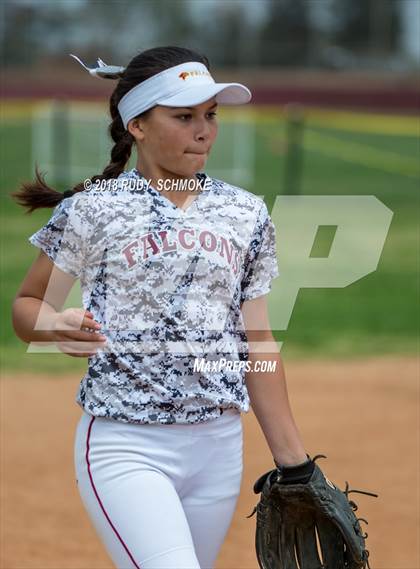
(37, 194)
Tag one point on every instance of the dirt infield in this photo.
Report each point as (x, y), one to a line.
(362, 414)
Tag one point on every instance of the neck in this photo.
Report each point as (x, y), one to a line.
(158, 176)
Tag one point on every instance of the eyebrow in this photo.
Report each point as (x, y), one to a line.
(192, 108)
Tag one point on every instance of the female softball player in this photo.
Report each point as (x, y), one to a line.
(172, 283)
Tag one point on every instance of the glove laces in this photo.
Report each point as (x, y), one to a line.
(354, 507)
(356, 524)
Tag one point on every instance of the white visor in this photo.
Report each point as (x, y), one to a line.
(183, 85)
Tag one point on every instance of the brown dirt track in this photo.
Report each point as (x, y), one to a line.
(362, 414)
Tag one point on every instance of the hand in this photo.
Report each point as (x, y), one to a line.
(76, 333)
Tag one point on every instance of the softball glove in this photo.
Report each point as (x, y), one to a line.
(299, 505)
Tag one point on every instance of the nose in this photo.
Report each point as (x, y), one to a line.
(202, 131)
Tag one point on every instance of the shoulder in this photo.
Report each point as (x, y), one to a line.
(101, 196)
(80, 212)
(75, 206)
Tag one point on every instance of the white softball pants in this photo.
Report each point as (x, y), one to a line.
(160, 496)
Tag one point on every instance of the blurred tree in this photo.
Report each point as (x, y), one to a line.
(228, 33)
(285, 37)
(112, 30)
(118, 30)
(19, 45)
(367, 25)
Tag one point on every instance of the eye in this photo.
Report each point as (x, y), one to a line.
(188, 116)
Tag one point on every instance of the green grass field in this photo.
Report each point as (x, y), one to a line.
(376, 315)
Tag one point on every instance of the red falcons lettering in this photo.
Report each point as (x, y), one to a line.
(150, 244)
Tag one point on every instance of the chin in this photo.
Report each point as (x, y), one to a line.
(199, 160)
(192, 165)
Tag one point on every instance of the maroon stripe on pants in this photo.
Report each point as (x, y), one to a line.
(98, 498)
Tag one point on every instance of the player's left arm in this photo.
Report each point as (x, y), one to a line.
(267, 389)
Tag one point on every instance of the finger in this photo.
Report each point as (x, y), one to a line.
(65, 349)
(71, 319)
(78, 349)
(80, 355)
(89, 317)
(81, 336)
(82, 340)
(90, 324)
(79, 319)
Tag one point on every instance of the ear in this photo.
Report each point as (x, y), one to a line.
(135, 128)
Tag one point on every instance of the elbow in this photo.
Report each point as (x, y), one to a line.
(17, 318)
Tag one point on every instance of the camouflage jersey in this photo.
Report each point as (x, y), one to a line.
(167, 286)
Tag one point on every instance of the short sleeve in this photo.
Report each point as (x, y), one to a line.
(260, 266)
(63, 238)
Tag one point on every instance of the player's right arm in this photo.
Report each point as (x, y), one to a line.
(65, 329)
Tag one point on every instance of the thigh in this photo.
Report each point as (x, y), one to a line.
(209, 524)
(210, 496)
(134, 506)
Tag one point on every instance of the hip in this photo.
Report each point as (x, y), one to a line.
(180, 451)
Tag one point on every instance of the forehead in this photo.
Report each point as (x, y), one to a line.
(201, 107)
